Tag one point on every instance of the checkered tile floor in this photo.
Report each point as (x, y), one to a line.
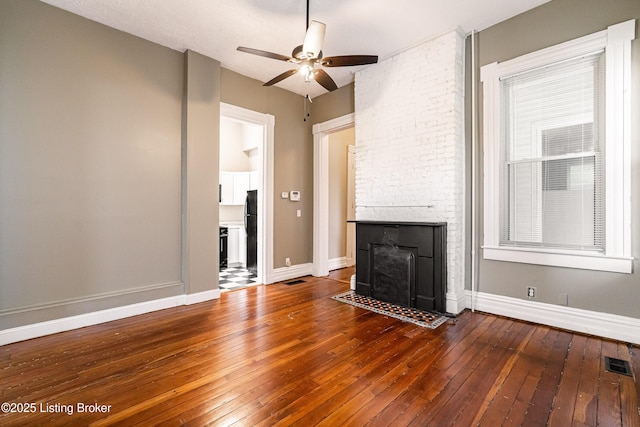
(236, 278)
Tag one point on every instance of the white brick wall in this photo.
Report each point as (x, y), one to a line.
(410, 143)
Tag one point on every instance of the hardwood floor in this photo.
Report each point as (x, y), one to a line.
(290, 355)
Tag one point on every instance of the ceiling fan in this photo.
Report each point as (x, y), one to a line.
(309, 58)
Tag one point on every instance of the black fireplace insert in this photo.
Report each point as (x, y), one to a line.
(403, 263)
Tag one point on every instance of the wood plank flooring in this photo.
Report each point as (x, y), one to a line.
(290, 355)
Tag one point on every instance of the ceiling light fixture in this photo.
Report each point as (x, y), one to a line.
(307, 71)
(308, 55)
(313, 39)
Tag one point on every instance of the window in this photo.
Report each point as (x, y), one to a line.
(551, 156)
(556, 127)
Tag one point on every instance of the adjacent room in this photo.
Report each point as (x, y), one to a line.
(310, 212)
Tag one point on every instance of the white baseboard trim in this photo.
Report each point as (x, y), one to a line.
(621, 328)
(286, 273)
(26, 332)
(201, 296)
(456, 303)
(336, 263)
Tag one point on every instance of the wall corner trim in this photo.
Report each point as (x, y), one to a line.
(622, 32)
(613, 326)
(456, 302)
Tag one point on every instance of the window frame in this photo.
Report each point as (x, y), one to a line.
(616, 43)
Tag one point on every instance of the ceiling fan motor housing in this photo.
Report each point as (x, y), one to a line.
(298, 54)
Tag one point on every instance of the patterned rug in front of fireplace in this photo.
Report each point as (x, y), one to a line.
(412, 315)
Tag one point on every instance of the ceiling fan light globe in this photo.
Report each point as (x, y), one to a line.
(307, 71)
(313, 39)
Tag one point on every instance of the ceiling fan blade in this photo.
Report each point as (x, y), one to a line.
(349, 60)
(313, 39)
(325, 80)
(280, 77)
(264, 53)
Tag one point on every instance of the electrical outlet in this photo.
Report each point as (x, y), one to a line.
(287, 262)
(531, 292)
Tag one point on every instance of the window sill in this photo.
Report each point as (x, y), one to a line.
(559, 259)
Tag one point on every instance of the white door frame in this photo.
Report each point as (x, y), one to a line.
(321, 132)
(265, 185)
(351, 204)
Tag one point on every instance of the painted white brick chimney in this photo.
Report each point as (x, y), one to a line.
(410, 144)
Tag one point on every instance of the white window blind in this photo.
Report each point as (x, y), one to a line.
(552, 156)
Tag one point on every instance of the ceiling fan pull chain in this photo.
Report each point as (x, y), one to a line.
(306, 109)
(307, 106)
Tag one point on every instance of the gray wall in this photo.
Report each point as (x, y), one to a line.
(552, 23)
(90, 141)
(200, 173)
(334, 104)
(109, 166)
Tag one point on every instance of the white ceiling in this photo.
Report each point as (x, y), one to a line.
(216, 27)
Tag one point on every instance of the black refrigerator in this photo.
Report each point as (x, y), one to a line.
(251, 228)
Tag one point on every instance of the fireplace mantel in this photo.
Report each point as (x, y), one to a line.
(421, 254)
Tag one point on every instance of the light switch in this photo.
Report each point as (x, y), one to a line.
(285, 195)
(299, 213)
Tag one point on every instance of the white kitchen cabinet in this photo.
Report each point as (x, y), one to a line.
(226, 188)
(232, 246)
(237, 246)
(240, 187)
(234, 187)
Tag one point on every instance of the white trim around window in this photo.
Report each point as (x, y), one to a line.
(616, 42)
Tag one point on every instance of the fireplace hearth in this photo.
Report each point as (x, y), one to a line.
(403, 263)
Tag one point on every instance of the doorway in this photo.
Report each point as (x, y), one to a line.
(246, 169)
(341, 199)
(321, 201)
